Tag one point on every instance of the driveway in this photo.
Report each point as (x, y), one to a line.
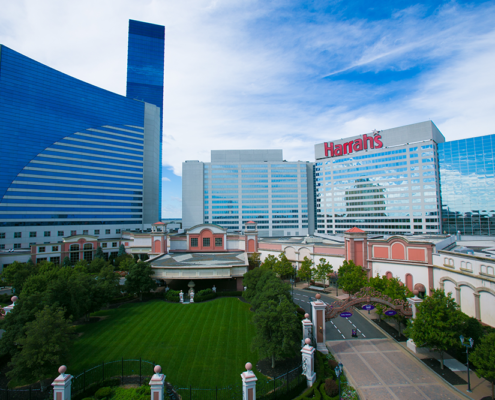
(381, 370)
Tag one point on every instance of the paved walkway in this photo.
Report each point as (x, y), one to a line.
(381, 370)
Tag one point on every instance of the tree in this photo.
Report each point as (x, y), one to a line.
(254, 260)
(352, 278)
(277, 333)
(66, 262)
(16, 275)
(284, 267)
(483, 358)
(250, 280)
(269, 287)
(121, 250)
(304, 273)
(322, 270)
(107, 284)
(438, 323)
(270, 262)
(46, 343)
(99, 253)
(138, 280)
(96, 265)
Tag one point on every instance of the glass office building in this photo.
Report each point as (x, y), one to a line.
(238, 186)
(383, 182)
(74, 154)
(468, 185)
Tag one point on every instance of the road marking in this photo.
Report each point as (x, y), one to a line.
(353, 325)
(363, 335)
(304, 295)
(359, 330)
(339, 331)
(343, 336)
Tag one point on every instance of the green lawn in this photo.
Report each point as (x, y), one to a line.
(202, 344)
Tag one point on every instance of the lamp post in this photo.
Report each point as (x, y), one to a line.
(468, 346)
(338, 372)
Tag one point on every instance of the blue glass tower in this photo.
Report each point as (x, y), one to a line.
(145, 70)
(467, 185)
(76, 154)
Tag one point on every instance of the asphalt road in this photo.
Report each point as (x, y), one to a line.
(339, 328)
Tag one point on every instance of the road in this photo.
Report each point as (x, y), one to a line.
(339, 328)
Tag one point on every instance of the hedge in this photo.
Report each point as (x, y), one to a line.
(91, 390)
(172, 295)
(203, 295)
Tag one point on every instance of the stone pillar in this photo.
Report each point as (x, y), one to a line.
(414, 301)
(157, 384)
(308, 362)
(248, 383)
(181, 297)
(307, 326)
(458, 295)
(62, 385)
(477, 314)
(319, 329)
(191, 297)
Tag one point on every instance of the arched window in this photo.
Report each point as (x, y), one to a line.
(409, 281)
(88, 252)
(74, 253)
(483, 268)
(389, 275)
(489, 270)
(469, 266)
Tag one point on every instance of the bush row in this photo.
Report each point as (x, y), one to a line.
(202, 295)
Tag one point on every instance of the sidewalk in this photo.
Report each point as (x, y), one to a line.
(479, 386)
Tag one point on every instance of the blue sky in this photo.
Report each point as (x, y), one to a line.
(245, 74)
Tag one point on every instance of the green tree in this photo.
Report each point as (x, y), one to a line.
(16, 275)
(269, 287)
(483, 358)
(270, 262)
(438, 323)
(138, 280)
(304, 273)
(66, 262)
(82, 264)
(254, 260)
(322, 270)
(107, 284)
(284, 267)
(144, 257)
(46, 343)
(352, 278)
(96, 265)
(121, 250)
(277, 333)
(99, 253)
(250, 280)
(126, 263)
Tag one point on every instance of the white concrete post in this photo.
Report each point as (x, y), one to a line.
(8, 309)
(308, 362)
(306, 328)
(157, 384)
(181, 297)
(62, 385)
(191, 297)
(318, 307)
(248, 383)
(414, 302)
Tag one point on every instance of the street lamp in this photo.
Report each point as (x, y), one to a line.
(468, 346)
(338, 371)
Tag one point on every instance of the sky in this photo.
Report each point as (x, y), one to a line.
(247, 74)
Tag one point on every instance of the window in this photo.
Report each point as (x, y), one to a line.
(74, 253)
(32, 234)
(55, 260)
(2, 247)
(47, 233)
(218, 242)
(206, 242)
(2, 235)
(88, 252)
(114, 244)
(117, 230)
(73, 233)
(97, 231)
(40, 260)
(17, 245)
(194, 242)
(104, 245)
(85, 232)
(54, 248)
(107, 231)
(60, 233)
(17, 235)
(41, 249)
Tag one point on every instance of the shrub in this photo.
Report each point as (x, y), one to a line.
(103, 392)
(172, 295)
(144, 390)
(331, 387)
(332, 364)
(301, 311)
(121, 299)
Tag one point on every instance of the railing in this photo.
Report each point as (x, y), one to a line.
(126, 371)
(225, 393)
(26, 394)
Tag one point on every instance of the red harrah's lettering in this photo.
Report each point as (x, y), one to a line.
(374, 142)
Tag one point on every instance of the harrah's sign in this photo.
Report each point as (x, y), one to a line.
(367, 142)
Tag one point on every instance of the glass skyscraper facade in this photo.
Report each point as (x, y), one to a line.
(72, 153)
(468, 185)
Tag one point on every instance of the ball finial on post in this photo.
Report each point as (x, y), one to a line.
(307, 341)
(249, 366)
(318, 296)
(306, 315)
(62, 369)
(13, 299)
(157, 369)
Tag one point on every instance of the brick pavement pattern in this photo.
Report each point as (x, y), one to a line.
(381, 370)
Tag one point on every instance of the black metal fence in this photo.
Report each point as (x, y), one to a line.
(26, 394)
(113, 373)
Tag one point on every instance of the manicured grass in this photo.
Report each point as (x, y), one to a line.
(203, 344)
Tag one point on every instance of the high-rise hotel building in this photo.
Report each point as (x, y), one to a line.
(238, 186)
(78, 159)
(385, 182)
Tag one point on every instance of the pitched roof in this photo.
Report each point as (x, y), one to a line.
(355, 230)
(159, 223)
